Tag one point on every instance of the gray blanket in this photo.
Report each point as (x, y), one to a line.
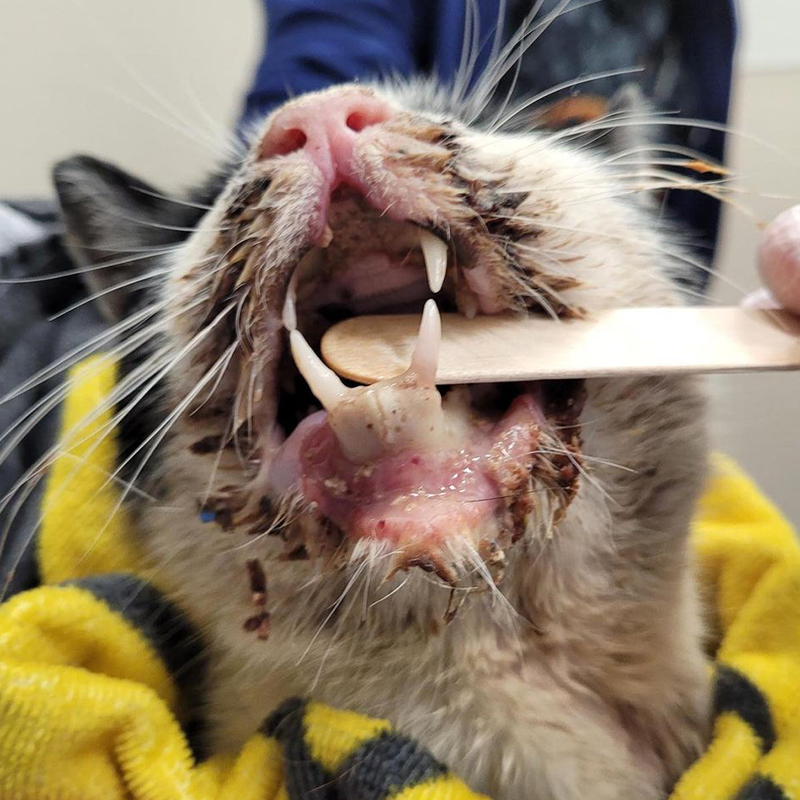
(31, 252)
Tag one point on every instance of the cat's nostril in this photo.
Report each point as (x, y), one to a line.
(356, 122)
(290, 141)
(370, 112)
(322, 125)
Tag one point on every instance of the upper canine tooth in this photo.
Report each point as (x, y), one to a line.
(425, 358)
(326, 237)
(434, 251)
(323, 382)
(289, 315)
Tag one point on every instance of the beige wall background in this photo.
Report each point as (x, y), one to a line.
(155, 84)
(151, 84)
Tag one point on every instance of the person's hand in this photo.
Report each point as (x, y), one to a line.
(779, 264)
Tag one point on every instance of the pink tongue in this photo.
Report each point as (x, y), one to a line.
(412, 495)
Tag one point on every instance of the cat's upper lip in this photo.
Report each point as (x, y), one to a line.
(427, 501)
(435, 257)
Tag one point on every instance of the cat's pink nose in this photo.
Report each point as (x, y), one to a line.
(325, 127)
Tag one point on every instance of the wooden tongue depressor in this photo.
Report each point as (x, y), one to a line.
(625, 341)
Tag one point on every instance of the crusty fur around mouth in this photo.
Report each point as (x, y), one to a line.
(261, 241)
(476, 221)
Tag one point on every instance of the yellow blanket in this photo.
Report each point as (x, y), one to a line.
(89, 699)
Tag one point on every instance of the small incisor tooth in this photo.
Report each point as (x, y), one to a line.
(434, 251)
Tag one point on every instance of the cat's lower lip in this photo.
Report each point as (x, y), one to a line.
(421, 500)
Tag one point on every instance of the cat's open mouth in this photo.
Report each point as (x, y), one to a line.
(428, 473)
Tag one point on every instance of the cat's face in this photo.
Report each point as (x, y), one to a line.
(358, 200)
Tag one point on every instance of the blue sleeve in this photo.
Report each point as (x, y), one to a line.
(312, 44)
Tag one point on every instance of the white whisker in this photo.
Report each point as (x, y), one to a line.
(147, 276)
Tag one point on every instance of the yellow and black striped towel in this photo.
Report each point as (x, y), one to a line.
(95, 665)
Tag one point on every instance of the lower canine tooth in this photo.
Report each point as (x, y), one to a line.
(434, 251)
(323, 382)
(425, 358)
(388, 416)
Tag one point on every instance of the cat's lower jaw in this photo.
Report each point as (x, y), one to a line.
(527, 718)
(592, 697)
(585, 679)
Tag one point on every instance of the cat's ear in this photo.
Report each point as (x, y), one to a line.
(112, 221)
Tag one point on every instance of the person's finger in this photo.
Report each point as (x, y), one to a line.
(760, 298)
(779, 258)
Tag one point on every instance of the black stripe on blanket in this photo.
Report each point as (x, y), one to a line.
(168, 630)
(384, 766)
(760, 787)
(735, 693)
(305, 778)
